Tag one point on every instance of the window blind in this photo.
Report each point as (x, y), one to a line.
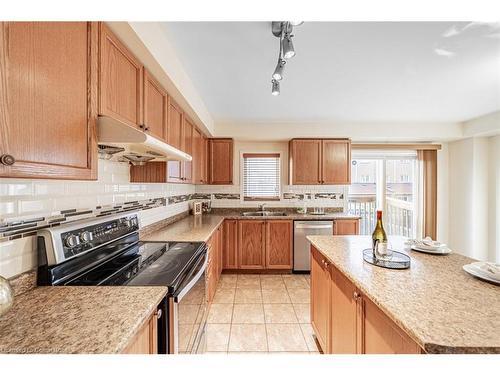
(261, 176)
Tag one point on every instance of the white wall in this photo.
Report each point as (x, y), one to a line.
(442, 194)
(474, 191)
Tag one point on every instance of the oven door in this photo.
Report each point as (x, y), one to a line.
(189, 310)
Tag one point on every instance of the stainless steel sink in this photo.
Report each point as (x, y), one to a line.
(264, 213)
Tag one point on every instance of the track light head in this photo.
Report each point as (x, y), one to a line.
(296, 23)
(287, 45)
(275, 87)
(278, 72)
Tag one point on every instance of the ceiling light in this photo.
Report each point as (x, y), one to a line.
(296, 23)
(278, 72)
(288, 50)
(276, 88)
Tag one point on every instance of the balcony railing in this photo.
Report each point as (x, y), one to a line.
(398, 218)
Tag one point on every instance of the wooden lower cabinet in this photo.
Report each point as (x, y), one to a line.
(346, 227)
(320, 300)
(145, 340)
(230, 244)
(252, 244)
(382, 335)
(214, 262)
(347, 322)
(279, 244)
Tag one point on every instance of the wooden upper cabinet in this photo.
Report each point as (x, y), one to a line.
(120, 82)
(343, 315)
(279, 244)
(197, 155)
(187, 135)
(153, 171)
(320, 300)
(48, 96)
(221, 161)
(320, 161)
(175, 124)
(336, 162)
(155, 107)
(205, 161)
(230, 244)
(251, 244)
(305, 161)
(346, 227)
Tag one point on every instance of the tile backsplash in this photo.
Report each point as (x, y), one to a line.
(27, 205)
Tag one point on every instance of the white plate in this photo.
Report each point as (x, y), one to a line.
(473, 271)
(440, 251)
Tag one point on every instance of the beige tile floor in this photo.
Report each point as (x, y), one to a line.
(261, 314)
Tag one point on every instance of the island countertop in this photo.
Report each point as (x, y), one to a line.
(77, 319)
(444, 309)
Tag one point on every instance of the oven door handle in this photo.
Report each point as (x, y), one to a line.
(179, 296)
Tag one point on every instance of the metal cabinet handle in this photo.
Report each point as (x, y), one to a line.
(7, 159)
(356, 296)
(158, 314)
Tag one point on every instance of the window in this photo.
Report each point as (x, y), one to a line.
(261, 177)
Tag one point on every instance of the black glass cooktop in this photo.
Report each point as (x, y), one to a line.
(144, 263)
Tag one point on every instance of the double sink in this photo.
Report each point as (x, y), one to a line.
(264, 213)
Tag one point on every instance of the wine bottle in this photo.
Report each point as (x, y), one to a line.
(379, 238)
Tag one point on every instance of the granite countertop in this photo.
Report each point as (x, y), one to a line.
(444, 309)
(191, 229)
(73, 319)
(200, 228)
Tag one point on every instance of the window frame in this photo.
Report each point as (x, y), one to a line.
(279, 154)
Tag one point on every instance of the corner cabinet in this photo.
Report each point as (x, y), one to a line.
(320, 162)
(345, 321)
(120, 83)
(49, 99)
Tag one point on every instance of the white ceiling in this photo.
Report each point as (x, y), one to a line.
(344, 71)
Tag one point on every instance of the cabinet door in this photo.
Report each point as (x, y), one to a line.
(336, 162)
(145, 340)
(155, 107)
(48, 96)
(205, 161)
(344, 314)
(187, 134)
(197, 164)
(346, 227)
(279, 235)
(153, 171)
(230, 244)
(305, 161)
(175, 125)
(320, 300)
(382, 336)
(251, 244)
(221, 161)
(120, 82)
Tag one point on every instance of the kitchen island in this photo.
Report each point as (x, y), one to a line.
(432, 307)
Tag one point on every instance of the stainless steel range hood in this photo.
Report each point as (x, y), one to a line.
(112, 132)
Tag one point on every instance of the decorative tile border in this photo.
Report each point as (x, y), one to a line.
(29, 227)
(293, 196)
(226, 196)
(201, 196)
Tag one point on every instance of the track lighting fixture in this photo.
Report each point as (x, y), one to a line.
(276, 88)
(283, 31)
(278, 72)
(288, 50)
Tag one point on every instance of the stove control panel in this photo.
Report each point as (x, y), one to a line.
(83, 239)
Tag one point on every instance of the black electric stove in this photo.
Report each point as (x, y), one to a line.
(108, 252)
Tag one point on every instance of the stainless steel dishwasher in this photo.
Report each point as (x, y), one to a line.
(301, 246)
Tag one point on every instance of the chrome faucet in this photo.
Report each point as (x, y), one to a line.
(262, 207)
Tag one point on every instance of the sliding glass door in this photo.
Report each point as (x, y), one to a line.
(386, 181)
